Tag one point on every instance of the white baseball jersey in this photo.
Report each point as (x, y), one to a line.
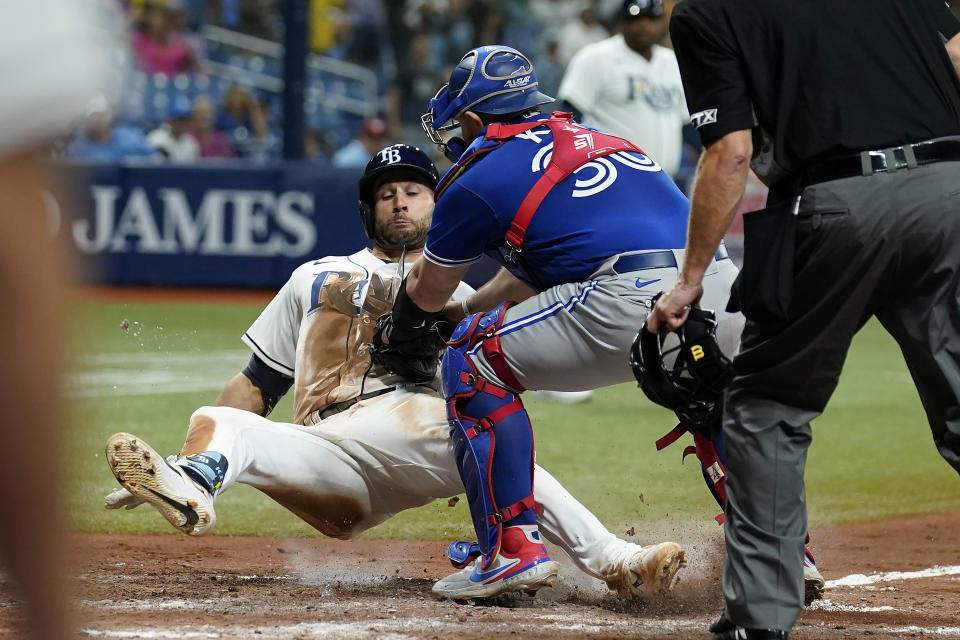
(182, 150)
(621, 92)
(319, 327)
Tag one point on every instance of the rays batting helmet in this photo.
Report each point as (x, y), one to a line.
(493, 79)
(396, 157)
(687, 374)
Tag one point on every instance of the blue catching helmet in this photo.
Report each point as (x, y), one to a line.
(493, 79)
(415, 162)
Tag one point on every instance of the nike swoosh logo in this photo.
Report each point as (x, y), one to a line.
(189, 514)
(641, 284)
(489, 575)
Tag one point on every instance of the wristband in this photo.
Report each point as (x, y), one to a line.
(409, 320)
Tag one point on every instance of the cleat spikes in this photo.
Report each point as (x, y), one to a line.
(167, 488)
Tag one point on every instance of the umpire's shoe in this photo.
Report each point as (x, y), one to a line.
(521, 565)
(167, 487)
(723, 628)
(648, 570)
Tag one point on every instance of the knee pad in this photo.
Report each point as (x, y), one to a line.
(491, 434)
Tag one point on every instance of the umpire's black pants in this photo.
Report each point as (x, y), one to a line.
(886, 244)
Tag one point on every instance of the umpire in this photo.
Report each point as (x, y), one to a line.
(851, 113)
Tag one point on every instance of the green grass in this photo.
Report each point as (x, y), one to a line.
(872, 454)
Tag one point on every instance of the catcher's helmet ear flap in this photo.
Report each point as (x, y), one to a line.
(392, 158)
(686, 374)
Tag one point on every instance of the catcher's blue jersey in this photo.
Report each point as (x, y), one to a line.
(613, 204)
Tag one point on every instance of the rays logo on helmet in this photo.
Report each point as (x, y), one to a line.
(390, 155)
(515, 83)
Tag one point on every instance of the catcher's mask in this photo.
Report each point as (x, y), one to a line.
(396, 157)
(686, 374)
(494, 79)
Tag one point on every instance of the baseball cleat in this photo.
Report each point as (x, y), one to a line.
(813, 582)
(166, 486)
(521, 566)
(122, 499)
(648, 570)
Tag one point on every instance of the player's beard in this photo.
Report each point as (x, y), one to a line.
(413, 238)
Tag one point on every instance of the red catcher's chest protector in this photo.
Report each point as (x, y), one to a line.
(573, 147)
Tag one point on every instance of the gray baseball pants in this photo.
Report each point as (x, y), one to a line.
(577, 336)
(886, 244)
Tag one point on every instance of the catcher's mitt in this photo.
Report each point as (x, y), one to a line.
(414, 356)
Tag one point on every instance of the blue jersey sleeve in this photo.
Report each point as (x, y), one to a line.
(463, 224)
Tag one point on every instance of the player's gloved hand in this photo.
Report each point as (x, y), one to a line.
(412, 354)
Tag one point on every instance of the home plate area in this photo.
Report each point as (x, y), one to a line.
(889, 579)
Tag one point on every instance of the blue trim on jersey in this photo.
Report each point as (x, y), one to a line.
(366, 271)
(443, 262)
(264, 353)
(542, 314)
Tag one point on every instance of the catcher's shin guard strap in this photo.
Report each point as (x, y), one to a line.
(494, 355)
(486, 422)
(515, 510)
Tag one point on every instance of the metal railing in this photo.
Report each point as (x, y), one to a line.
(319, 95)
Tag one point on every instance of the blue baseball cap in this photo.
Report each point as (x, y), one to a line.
(179, 107)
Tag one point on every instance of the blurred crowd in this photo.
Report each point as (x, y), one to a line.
(410, 45)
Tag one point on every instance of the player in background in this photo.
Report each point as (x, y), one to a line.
(629, 86)
(365, 445)
(53, 62)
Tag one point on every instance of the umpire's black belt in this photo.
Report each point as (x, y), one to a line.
(337, 407)
(865, 163)
(656, 260)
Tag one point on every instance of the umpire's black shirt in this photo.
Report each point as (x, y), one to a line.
(824, 77)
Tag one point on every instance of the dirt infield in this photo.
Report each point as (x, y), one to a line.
(222, 587)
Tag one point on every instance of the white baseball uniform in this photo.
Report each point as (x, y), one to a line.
(346, 471)
(621, 92)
